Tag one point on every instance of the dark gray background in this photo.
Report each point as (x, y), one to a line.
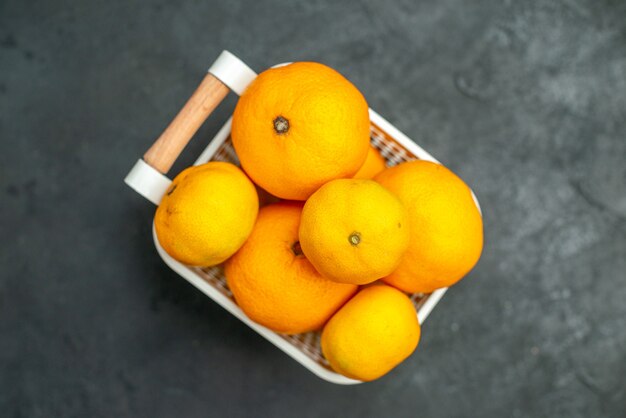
(525, 100)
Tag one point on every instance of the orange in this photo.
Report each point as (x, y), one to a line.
(272, 281)
(445, 224)
(206, 214)
(374, 164)
(354, 231)
(298, 126)
(373, 333)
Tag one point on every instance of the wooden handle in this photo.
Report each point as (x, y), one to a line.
(170, 144)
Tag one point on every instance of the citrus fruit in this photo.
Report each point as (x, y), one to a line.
(374, 164)
(273, 282)
(354, 231)
(445, 226)
(371, 334)
(298, 126)
(206, 214)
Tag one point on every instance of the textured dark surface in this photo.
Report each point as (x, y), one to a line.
(525, 100)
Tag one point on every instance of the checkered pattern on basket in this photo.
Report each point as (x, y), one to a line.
(309, 343)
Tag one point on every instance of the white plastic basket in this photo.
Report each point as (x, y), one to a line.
(151, 183)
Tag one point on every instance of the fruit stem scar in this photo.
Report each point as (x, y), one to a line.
(296, 249)
(354, 238)
(281, 125)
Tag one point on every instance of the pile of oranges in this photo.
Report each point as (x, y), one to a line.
(343, 238)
